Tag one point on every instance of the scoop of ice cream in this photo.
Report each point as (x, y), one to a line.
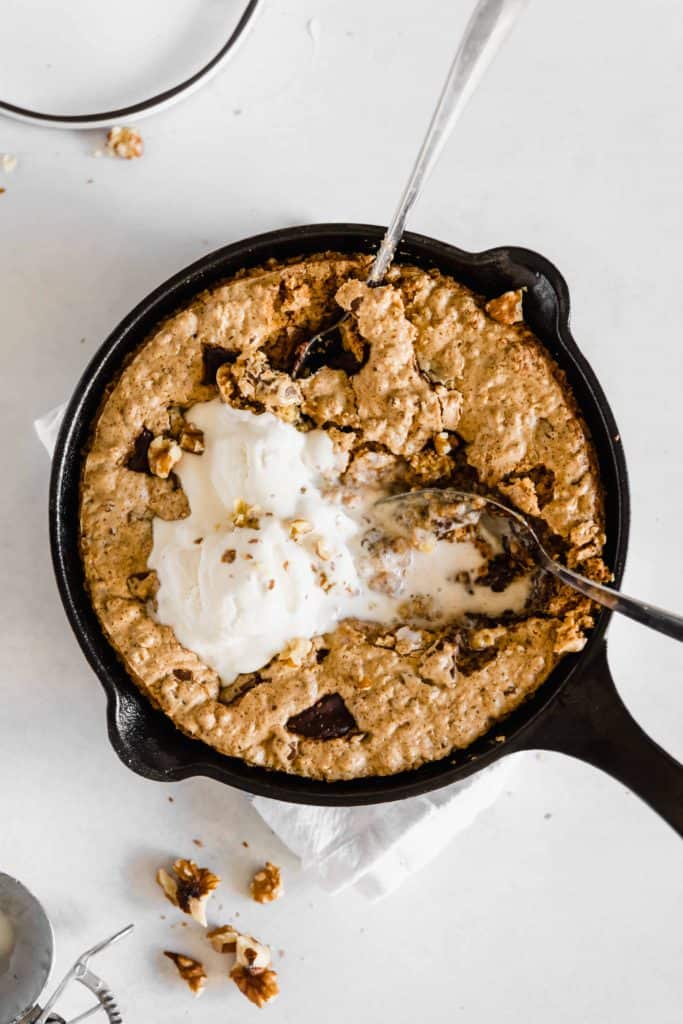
(268, 555)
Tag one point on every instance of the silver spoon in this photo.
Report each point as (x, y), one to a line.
(486, 30)
(470, 506)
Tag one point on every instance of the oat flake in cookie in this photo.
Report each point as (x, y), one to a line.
(368, 655)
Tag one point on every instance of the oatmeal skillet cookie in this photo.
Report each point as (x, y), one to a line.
(433, 386)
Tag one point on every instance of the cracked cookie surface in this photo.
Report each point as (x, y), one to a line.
(432, 390)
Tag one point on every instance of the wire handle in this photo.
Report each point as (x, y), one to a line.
(81, 972)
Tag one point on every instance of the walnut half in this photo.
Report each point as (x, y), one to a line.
(190, 889)
(252, 972)
(258, 988)
(266, 885)
(162, 455)
(191, 971)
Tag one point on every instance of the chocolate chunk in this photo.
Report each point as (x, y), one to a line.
(328, 719)
(214, 357)
(137, 460)
(469, 660)
(182, 673)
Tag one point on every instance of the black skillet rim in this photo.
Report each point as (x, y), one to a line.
(143, 737)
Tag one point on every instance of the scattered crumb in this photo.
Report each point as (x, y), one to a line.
(281, 953)
(245, 844)
(197, 842)
(125, 143)
(8, 162)
(2, 191)
(170, 800)
(547, 815)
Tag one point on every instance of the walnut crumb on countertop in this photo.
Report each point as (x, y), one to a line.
(190, 889)
(125, 143)
(191, 971)
(266, 885)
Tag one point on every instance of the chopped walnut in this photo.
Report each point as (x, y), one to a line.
(143, 585)
(252, 972)
(266, 885)
(296, 651)
(322, 550)
(442, 445)
(244, 515)
(507, 308)
(408, 640)
(162, 455)
(299, 528)
(258, 988)
(229, 556)
(190, 889)
(192, 439)
(250, 953)
(191, 971)
(125, 143)
(223, 939)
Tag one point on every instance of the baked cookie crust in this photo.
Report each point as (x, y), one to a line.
(433, 387)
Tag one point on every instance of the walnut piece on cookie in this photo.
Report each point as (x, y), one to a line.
(507, 308)
(192, 439)
(190, 889)
(191, 971)
(162, 455)
(251, 972)
(245, 516)
(125, 143)
(266, 885)
(298, 528)
(143, 585)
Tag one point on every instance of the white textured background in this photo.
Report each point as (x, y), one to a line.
(564, 902)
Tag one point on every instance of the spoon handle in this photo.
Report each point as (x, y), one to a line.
(486, 30)
(649, 615)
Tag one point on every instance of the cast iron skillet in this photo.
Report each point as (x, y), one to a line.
(577, 711)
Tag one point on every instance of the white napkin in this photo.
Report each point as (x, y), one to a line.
(372, 848)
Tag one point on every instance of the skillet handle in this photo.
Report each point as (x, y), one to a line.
(589, 721)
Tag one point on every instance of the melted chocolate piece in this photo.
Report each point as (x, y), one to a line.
(468, 660)
(214, 357)
(328, 719)
(137, 460)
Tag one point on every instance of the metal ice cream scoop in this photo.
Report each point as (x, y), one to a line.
(486, 31)
(26, 957)
(465, 508)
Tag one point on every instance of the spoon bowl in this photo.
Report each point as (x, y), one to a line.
(464, 508)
